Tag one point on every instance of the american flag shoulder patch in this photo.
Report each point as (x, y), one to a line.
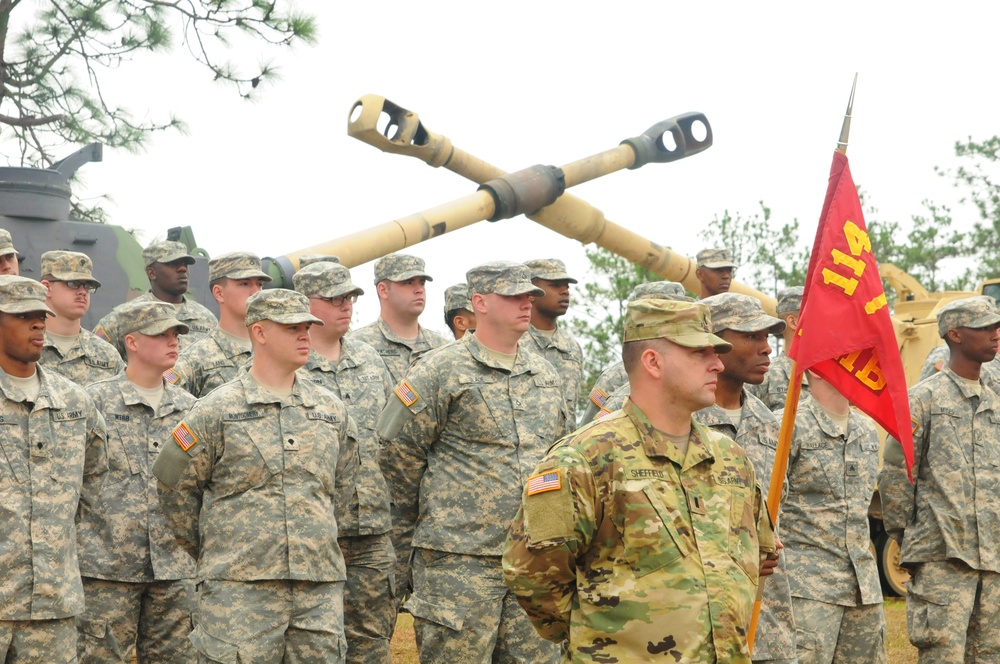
(406, 394)
(916, 425)
(598, 397)
(102, 333)
(184, 437)
(550, 480)
(601, 414)
(171, 376)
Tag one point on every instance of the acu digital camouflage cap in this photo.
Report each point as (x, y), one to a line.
(789, 300)
(665, 290)
(715, 258)
(6, 244)
(237, 265)
(281, 306)
(309, 259)
(457, 297)
(325, 279)
(166, 251)
(742, 313)
(550, 269)
(684, 323)
(400, 267)
(502, 278)
(974, 312)
(20, 295)
(149, 317)
(68, 266)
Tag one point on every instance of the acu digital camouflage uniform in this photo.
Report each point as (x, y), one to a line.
(947, 519)
(462, 435)
(836, 594)
(48, 447)
(774, 390)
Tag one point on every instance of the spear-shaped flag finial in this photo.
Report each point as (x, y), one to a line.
(846, 129)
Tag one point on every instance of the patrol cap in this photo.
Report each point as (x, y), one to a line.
(400, 267)
(237, 265)
(166, 251)
(149, 317)
(551, 269)
(789, 300)
(742, 313)
(715, 258)
(309, 259)
(684, 323)
(325, 279)
(974, 312)
(457, 297)
(663, 290)
(6, 243)
(502, 278)
(20, 295)
(279, 305)
(68, 266)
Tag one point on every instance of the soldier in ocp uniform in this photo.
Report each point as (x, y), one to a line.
(137, 580)
(70, 350)
(248, 484)
(167, 263)
(641, 536)
(774, 390)
(947, 520)
(51, 438)
(8, 254)
(463, 431)
(458, 314)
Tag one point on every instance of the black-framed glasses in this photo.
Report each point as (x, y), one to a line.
(337, 301)
(89, 286)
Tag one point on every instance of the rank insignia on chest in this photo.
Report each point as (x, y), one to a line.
(406, 394)
(171, 376)
(548, 481)
(184, 437)
(598, 397)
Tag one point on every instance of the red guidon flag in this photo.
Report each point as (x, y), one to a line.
(845, 334)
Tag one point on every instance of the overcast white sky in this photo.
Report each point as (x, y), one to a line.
(519, 83)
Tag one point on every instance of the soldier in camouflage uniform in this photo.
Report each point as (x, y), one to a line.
(640, 536)
(939, 356)
(554, 343)
(309, 259)
(774, 390)
(396, 335)
(353, 371)
(69, 350)
(714, 269)
(741, 321)
(947, 519)
(207, 364)
(832, 468)
(463, 432)
(167, 264)
(137, 580)
(51, 438)
(458, 314)
(614, 376)
(248, 483)
(8, 254)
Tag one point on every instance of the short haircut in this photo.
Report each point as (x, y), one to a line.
(633, 350)
(449, 318)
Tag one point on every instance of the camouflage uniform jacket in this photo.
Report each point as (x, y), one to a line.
(632, 551)
(196, 316)
(207, 364)
(774, 390)
(252, 495)
(824, 516)
(91, 360)
(470, 435)
(950, 510)
(47, 450)
(758, 436)
(564, 353)
(361, 381)
(121, 532)
(394, 350)
(610, 380)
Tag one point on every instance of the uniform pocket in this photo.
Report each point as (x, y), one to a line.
(438, 612)
(213, 648)
(648, 533)
(926, 619)
(744, 545)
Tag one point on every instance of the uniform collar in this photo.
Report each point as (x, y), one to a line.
(656, 444)
(522, 362)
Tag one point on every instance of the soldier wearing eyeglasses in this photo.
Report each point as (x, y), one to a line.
(69, 350)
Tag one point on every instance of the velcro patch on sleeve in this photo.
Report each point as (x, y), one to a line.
(601, 414)
(550, 480)
(102, 333)
(916, 425)
(184, 437)
(406, 394)
(939, 365)
(598, 397)
(171, 376)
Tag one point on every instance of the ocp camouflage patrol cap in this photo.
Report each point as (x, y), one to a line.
(550, 269)
(742, 313)
(6, 244)
(684, 323)
(68, 266)
(20, 295)
(973, 312)
(325, 279)
(281, 306)
(237, 265)
(149, 317)
(400, 267)
(309, 259)
(715, 258)
(665, 290)
(166, 251)
(789, 300)
(457, 297)
(502, 278)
